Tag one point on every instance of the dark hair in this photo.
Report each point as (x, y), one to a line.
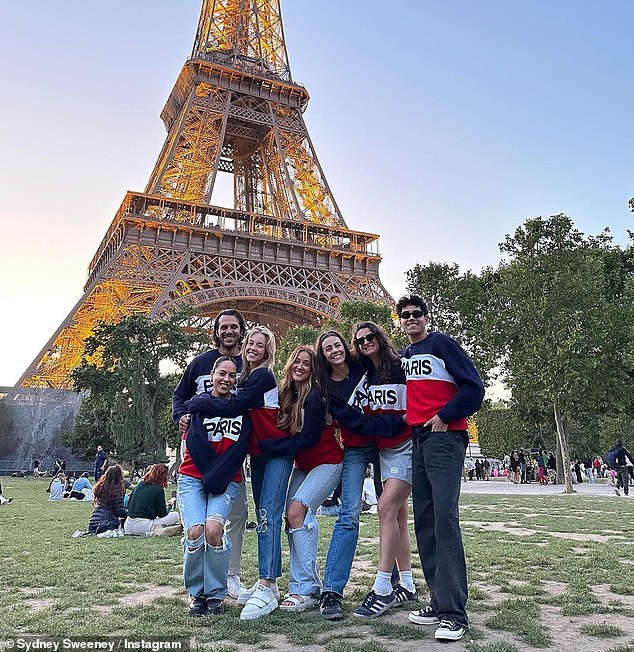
(411, 300)
(322, 366)
(109, 486)
(220, 360)
(388, 355)
(230, 312)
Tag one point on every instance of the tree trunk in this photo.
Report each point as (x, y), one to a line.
(562, 438)
(560, 462)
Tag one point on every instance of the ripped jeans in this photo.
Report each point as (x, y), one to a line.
(310, 488)
(269, 481)
(205, 567)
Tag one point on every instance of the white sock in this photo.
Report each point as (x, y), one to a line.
(407, 580)
(382, 584)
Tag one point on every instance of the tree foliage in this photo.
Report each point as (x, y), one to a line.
(292, 338)
(127, 395)
(457, 306)
(558, 323)
(556, 318)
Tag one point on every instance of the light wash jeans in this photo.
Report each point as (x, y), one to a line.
(310, 489)
(269, 482)
(346, 531)
(236, 525)
(205, 567)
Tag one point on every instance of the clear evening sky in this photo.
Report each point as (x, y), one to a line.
(440, 125)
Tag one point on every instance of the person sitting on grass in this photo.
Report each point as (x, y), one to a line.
(81, 488)
(147, 509)
(56, 488)
(108, 501)
(3, 500)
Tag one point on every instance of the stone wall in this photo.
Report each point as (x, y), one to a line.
(37, 418)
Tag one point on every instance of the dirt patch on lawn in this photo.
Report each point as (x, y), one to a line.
(148, 595)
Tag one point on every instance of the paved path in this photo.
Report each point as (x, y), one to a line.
(535, 489)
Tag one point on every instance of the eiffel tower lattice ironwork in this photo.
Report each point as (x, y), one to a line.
(282, 254)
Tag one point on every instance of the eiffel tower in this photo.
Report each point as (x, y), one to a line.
(282, 254)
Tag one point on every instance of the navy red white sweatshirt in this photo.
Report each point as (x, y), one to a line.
(308, 438)
(387, 397)
(196, 379)
(257, 396)
(442, 380)
(214, 450)
(348, 397)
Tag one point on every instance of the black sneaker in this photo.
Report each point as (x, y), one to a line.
(198, 606)
(330, 606)
(449, 631)
(374, 605)
(402, 595)
(214, 606)
(425, 616)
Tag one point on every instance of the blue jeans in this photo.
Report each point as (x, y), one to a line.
(438, 459)
(205, 567)
(269, 481)
(346, 531)
(310, 489)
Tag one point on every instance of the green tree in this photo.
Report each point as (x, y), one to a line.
(457, 306)
(120, 369)
(292, 338)
(559, 324)
(502, 429)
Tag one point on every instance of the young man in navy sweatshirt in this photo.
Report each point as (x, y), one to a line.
(443, 389)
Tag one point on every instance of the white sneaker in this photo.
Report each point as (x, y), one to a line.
(261, 603)
(235, 588)
(243, 597)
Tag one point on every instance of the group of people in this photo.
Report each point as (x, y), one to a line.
(144, 512)
(338, 408)
(63, 487)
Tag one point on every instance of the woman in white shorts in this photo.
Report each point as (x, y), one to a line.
(385, 394)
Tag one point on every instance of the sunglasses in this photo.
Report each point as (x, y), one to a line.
(368, 338)
(416, 314)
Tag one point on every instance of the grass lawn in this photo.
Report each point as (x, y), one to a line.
(551, 572)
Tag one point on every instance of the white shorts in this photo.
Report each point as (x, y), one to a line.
(397, 462)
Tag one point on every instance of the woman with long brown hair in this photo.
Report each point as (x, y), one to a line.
(343, 379)
(385, 393)
(109, 511)
(147, 508)
(316, 472)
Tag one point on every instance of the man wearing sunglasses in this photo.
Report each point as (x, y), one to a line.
(443, 389)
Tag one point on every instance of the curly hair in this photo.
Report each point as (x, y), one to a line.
(388, 355)
(109, 485)
(411, 300)
(292, 395)
(156, 474)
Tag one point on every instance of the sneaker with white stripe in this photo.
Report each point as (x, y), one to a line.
(374, 605)
(449, 631)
